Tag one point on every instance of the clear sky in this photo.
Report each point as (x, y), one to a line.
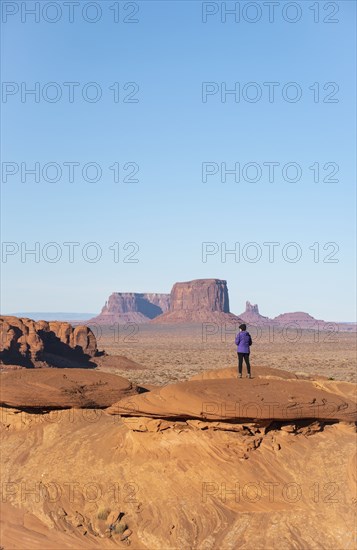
(158, 120)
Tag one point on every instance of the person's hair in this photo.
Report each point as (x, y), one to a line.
(243, 326)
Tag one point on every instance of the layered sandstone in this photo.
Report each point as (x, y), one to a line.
(200, 300)
(125, 307)
(31, 343)
(44, 389)
(233, 400)
(190, 481)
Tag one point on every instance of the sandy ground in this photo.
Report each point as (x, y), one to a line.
(172, 353)
(179, 489)
(188, 485)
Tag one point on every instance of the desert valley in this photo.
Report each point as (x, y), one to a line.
(132, 429)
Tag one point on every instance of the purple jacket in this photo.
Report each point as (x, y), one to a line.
(243, 341)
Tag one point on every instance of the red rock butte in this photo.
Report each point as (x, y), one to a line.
(197, 301)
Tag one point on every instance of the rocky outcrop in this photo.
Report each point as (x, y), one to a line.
(58, 337)
(237, 401)
(20, 343)
(125, 307)
(31, 343)
(188, 481)
(45, 389)
(199, 301)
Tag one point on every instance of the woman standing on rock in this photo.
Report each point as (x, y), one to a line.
(243, 341)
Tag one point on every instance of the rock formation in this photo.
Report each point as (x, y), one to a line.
(294, 320)
(205, 294)
(201, 300)
(299, 319)
(197, 301)
(252, 316)
(126, 307)
(44, 389)
(233, 400)
(210, 463)
(251, 308)
(31, 343)
(20, 343)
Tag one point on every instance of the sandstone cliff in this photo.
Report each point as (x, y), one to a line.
(201, 300)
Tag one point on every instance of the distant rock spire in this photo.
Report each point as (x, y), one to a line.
(251, 308)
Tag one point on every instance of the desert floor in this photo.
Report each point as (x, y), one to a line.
(172, 353)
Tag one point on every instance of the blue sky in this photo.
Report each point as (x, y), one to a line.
(168, 133)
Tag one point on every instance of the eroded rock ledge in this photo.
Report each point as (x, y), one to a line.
(275, 400)
(241, 400)
(40, 390)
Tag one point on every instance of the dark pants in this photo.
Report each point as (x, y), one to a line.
(240, 361)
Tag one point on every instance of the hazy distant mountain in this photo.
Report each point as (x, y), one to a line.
(299, 319)
(252, 316)
(53, 316)
(132, 307)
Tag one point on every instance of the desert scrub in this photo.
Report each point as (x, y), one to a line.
(103, 513)
(120, 528)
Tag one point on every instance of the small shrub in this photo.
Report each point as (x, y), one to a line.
(103, 513)
(120, 528)
(331, 378)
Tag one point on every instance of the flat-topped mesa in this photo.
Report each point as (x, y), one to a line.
(207, 294)
(197, 301)
(124, 307)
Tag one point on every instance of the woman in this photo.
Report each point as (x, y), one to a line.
(243, 342)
